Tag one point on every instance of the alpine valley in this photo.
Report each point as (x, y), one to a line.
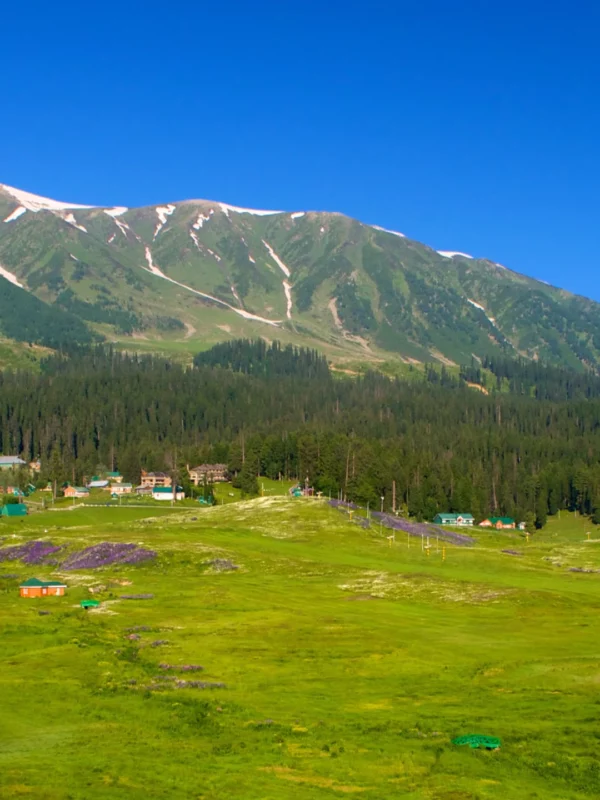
(184, 275)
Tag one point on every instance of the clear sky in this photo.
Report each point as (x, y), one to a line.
(470, 125)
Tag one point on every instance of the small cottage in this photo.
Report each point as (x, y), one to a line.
(97, 483)
(499, 523)
(11, 462)
(36, 588)
(114, 477)
(121, 488)
(76, 491)
(14, 510)
(166, 493)
(458, 520)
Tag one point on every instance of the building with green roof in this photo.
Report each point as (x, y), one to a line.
(14, 510)
(458, 520)
(34, 587)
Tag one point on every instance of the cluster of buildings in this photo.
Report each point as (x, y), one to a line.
(158, 485)
(468, 521)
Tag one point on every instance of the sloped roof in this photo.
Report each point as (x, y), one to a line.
(36, 582)
(14, 510)
(454, 516)
(4, 460)
(503, 520)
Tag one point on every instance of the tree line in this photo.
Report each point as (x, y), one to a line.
(279, 411)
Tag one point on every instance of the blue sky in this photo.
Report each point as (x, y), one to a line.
(470, 126)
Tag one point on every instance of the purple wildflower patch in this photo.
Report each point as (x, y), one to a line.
(182, 667)
(198, 685)
(35, 552)
(107, 554)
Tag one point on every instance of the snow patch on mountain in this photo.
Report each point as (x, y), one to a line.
(200, 221)
(111, 238)
(151, 266)
(251, 259)
(194, 238)
(288, 296)
(15, 214)
(235, 294)
(162, 212)
(73, 257)
(452, 253)
(70, 218)
(297, 214)
(155, 270)
(481, 308)
(124, 227)
(287, 289)
(386, 230)
(477, 305)
(10, 276)
(226, 208)
(277, 260)
(113, 213)
(35, 203)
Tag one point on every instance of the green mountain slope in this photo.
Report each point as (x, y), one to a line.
(200, 271)
(26, 318)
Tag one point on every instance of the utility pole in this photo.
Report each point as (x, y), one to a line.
(394, 497)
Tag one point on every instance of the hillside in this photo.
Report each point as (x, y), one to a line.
(188, 274)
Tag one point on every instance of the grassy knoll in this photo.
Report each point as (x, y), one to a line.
(348, 665)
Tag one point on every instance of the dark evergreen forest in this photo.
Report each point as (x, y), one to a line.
(526, 449)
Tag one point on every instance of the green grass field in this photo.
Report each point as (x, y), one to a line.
(348, 665)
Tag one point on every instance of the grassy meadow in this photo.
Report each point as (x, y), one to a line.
(348, 664)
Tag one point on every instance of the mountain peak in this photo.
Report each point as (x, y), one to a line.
(199, 271)
(35, 203)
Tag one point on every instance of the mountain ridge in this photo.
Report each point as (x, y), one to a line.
(320, 278)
